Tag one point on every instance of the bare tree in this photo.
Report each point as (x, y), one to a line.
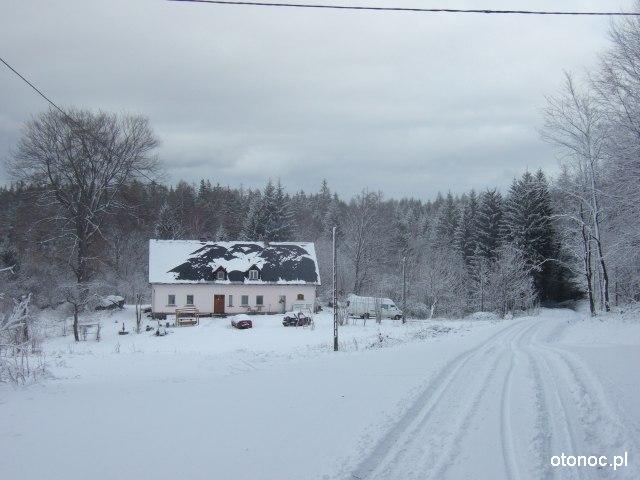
(440, 279)
(81, 160)
(510, 283)
(362, 240)
(617, 84)
(575, 122)
(575, 228)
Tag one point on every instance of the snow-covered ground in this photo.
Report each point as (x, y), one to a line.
(435, 399)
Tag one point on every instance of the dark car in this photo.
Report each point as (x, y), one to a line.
(296, 319)
(241, 323)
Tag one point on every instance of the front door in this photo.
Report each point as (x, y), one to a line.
(283, 303)
(218, 304)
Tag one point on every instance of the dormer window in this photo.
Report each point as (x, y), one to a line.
(220, 275)
(253, 274)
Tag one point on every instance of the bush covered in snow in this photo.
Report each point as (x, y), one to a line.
(110, 302)
(486, 316)
(20, 358)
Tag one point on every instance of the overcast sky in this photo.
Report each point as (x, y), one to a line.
(411, 104)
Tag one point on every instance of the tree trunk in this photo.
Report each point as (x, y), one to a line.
(586, 244)
(76, 336)
(596, 231)
(433, 309)
(81, 270)
(605, 279)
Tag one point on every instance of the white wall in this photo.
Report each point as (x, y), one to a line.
(203, 296)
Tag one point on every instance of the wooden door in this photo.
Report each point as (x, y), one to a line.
(218, 304)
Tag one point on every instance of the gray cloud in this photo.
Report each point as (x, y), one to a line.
(406, 103)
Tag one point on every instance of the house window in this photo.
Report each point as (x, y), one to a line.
(301, 296)
(189, 299)
(253, 274)
(259, 299)
(171, 300)
(244, 300)
(230, 300)
(220, 275)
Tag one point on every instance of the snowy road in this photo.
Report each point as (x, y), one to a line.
(502, 410)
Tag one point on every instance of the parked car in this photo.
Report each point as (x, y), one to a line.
(241, 323)
(296, 319)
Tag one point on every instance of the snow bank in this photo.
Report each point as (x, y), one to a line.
(619, 327)
(484, 316)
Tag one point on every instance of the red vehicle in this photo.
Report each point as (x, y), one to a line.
(241, 323)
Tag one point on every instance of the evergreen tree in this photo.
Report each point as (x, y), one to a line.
(402, 232)
(254, 225)
(282, 224)
(324, 195)
(488, 224)
(332, 218)
(168, 225)
(447, 222)
(221, 234)
(526, 223)
(270, 217)
(465, 239)
(554, 281)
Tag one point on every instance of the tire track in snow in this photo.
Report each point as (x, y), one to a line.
(542, 437)
(509, 454)
(555, 427)
(600, 426)
(505, 426)
(448, 453)
(507, 442)
(410, 435)
(570, 413)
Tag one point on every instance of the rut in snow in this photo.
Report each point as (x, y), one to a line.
(503, 408)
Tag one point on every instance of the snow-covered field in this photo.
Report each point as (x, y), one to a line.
(435, 399)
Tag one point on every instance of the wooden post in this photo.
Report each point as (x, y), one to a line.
(404, 289)
(335, 296)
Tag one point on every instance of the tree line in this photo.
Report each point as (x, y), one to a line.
(86, 198)
(460, 251)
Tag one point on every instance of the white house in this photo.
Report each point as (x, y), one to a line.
(231, 277)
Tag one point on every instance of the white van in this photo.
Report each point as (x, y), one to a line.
(365, 307)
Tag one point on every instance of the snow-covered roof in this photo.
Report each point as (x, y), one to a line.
(193, 261)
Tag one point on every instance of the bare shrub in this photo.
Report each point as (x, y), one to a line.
(21, 359)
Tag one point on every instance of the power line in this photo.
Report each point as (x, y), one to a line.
(73, 123)
(34, 87)
(410, 9)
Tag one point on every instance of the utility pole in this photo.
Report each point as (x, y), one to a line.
(335, 296)
(404, 289)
